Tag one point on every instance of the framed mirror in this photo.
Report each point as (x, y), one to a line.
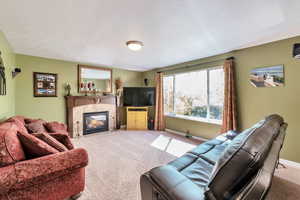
(94, 79)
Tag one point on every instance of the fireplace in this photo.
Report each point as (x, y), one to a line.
(95, 122)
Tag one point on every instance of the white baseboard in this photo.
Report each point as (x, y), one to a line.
(183, 134)
(289, 163)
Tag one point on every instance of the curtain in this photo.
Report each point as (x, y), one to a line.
(159, 122)
(229, 109)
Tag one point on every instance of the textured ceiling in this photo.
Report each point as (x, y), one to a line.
(173, 31)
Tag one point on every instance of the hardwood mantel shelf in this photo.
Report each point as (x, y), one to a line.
(74, 101)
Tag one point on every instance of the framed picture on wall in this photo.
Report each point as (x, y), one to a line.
(272, 76)
(44, 84)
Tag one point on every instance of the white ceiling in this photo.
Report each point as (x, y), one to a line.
(173, 31)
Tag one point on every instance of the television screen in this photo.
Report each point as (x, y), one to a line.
(139, 96)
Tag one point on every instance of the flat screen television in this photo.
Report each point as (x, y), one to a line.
(139, 96)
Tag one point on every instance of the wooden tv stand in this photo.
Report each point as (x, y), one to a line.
(137, 118)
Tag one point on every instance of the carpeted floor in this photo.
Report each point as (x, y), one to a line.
(118, 159)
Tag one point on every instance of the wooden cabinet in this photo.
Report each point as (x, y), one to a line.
(137, 118)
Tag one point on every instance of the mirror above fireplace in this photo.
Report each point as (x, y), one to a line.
(94, 79)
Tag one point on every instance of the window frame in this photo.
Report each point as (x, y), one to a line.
(192, 118)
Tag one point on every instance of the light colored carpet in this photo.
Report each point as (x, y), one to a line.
(117, 159)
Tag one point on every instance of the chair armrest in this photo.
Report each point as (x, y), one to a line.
(46, 168)
(175, 185)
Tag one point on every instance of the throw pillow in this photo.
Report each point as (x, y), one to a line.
(53, 127)
(51, 141)
(36, 127)
(64, 139)
(19, 123)
(11, 150)
(35, 147)
(29, 120)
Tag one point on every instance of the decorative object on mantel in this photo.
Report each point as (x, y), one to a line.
(68, 89)
(2, 77)
(44, 84)
(94, 79)
(267, 76)
(15, 72)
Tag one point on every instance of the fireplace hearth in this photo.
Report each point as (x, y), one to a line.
(95, 122)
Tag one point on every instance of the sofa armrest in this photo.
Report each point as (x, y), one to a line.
(7, 179)
(174, 185)
(46, 168)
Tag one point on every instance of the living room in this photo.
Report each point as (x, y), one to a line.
(187, 92)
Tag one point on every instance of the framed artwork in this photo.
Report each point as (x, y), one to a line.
(44, 84)
(272, 76)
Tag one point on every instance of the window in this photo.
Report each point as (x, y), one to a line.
(196, 95)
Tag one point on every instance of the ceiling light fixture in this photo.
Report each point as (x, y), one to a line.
(134, 45)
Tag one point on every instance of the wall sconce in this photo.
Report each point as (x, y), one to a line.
(296, 51)
(15, 72)
(146, 81)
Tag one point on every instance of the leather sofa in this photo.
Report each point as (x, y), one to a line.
(231, 166)
(56, 176)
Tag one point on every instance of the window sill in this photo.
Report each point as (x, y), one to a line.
(197, 119)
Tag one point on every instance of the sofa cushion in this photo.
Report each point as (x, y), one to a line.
(242, 157)
(11, 150)
(175, 185)
(36, 126)
(183, 161)
(64, 139)
(199, 172)
(215, 153)
(51, 141)
(208, 145)
(55, 127)
(35, 147)
(19, 123)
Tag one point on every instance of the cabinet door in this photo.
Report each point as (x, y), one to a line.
(131, 120)
(141, 120)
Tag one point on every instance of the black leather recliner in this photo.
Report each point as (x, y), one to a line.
(231, 166)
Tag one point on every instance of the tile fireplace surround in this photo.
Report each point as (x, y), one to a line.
(80, 110)
(78, 105)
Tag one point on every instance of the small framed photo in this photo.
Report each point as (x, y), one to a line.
(44, 84)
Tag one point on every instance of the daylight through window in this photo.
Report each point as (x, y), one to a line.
(196, 95)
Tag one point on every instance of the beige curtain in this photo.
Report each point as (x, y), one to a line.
(159, 122)
(229, 110)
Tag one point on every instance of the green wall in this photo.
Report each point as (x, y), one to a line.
(255, 103)
(7, 102)
(53, 108)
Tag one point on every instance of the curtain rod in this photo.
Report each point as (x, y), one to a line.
(194, 65)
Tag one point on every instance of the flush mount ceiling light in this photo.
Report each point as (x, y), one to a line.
(134, 45)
